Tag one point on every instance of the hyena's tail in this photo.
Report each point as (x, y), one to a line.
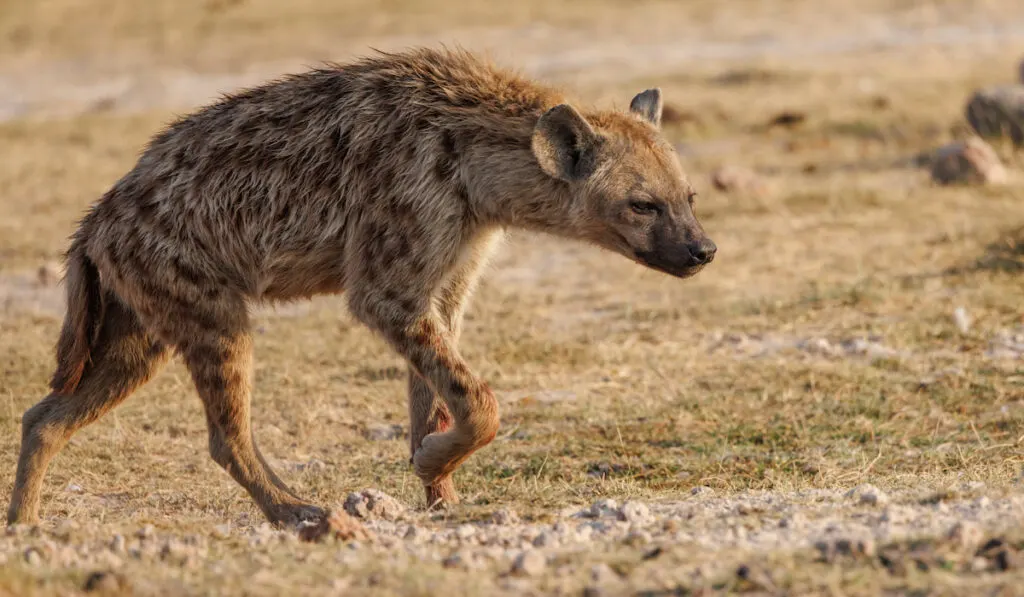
(82, 321)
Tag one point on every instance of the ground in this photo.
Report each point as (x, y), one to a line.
(835, 406)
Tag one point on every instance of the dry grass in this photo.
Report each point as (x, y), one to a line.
(615, 381)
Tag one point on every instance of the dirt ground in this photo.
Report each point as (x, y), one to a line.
(834, 407)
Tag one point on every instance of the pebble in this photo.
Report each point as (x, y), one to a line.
(371, 503)
(962, 320)
(33, 557)
(603, 573)
(529, 563)
(868, 494)
(465, 531)
(971, 161)
(505, 516)
(104, 582)
(965, 535)
(222, 531)
(146, 532)
(703, 490)
(636, 512)
(605, 507)
(998, 112)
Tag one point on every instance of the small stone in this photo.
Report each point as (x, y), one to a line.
(146, 532)
(545, 539)
(73, 488)
(465, 531)
(373, 504)
(965, 535)
(637, 538)
(222, 531)
(117, 543)
(635, 512)
(603, 573)
(968, 162)
(997, 112)
(335, 525)
(65, 530)
(529, 563)
(505, 517)
(868, 494)
(104, 582)
(458, 560)
(702, 490)
(33, 557)
(605, 507)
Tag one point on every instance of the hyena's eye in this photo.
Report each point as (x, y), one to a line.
(645, 208)
(691, 199)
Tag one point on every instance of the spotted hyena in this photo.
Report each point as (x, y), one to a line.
(390, 179)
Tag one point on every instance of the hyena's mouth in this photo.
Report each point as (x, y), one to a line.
(679, 271)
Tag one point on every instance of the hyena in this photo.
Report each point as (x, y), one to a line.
(390, 179)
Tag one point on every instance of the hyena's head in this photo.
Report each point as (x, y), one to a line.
(628, 191)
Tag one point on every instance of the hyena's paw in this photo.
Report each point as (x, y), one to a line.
(437, 456)
(441, 494)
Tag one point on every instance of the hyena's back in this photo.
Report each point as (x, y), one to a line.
(280, 191)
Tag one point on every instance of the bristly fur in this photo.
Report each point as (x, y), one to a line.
(388, 178)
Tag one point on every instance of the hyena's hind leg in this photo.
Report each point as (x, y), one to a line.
(428, 412)
(123, 357)
(219, 359)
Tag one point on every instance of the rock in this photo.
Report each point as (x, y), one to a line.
(465, 531)
(146, 532)
(545, 539)
(971, 161)
(458, 559)
(371, 503)
(635, 512)
(997, 112)
(738, 180)
(505, 517)
(603, 508)
(222, 531)
(702, 490)
(868, 494)
(603, 574)
(830, 549)
(33, 557)
(335, 525)
(117, 544)
(529, 563)
(965, 535)
(637, 538)
(105, 583)
(379, 432)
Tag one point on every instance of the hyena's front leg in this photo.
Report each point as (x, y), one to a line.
(428, 345)
(428, 413)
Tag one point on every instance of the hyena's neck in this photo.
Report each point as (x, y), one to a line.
(506, 187)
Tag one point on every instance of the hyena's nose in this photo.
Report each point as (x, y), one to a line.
(703, 251)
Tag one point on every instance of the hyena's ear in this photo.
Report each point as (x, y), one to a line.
(565, 144)
(647, 104)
